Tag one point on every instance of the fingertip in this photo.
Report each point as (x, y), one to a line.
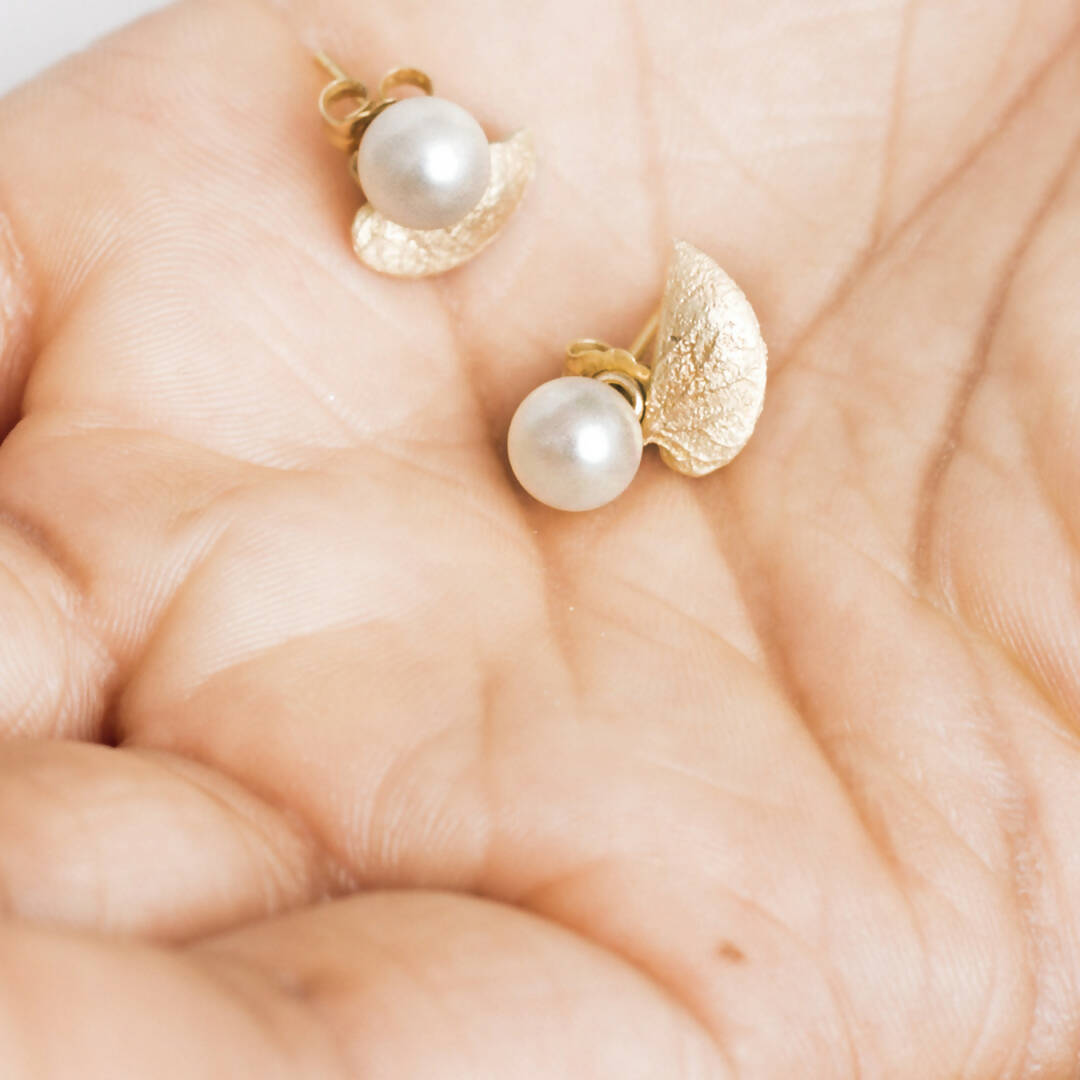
(15, 323)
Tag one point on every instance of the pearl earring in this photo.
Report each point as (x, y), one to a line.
(436, 192)
(575, 442)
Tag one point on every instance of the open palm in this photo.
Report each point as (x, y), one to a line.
(331, 754)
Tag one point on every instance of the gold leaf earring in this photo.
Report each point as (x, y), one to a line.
(575, 443)
(437, 193)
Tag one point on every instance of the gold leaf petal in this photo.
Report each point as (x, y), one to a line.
(708, 377)
(393, 249)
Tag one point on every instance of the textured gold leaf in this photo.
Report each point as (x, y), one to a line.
(708, 374)
(401, 252)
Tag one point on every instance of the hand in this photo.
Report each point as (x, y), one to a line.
(331, 754)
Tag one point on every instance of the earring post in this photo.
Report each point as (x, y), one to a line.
(330, 67)
(646, 337)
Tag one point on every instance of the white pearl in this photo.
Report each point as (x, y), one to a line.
(424, 163)
(575, 443)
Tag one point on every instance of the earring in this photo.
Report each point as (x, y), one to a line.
(436, 192)
(575, 442)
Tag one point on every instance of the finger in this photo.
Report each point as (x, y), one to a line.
(86, 566)
(15, 323)
(142, 843)
(53, 665)
(403, 985)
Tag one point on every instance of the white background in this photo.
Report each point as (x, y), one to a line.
(35, 33)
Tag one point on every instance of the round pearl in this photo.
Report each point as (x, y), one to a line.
(575, 443)
(424, 163)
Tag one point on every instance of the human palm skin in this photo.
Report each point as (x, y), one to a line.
(330, 754)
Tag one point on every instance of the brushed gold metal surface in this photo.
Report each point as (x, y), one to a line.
(628, 386)
(706, 389)
(404, 76)
(591, 358)
(394, 249)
